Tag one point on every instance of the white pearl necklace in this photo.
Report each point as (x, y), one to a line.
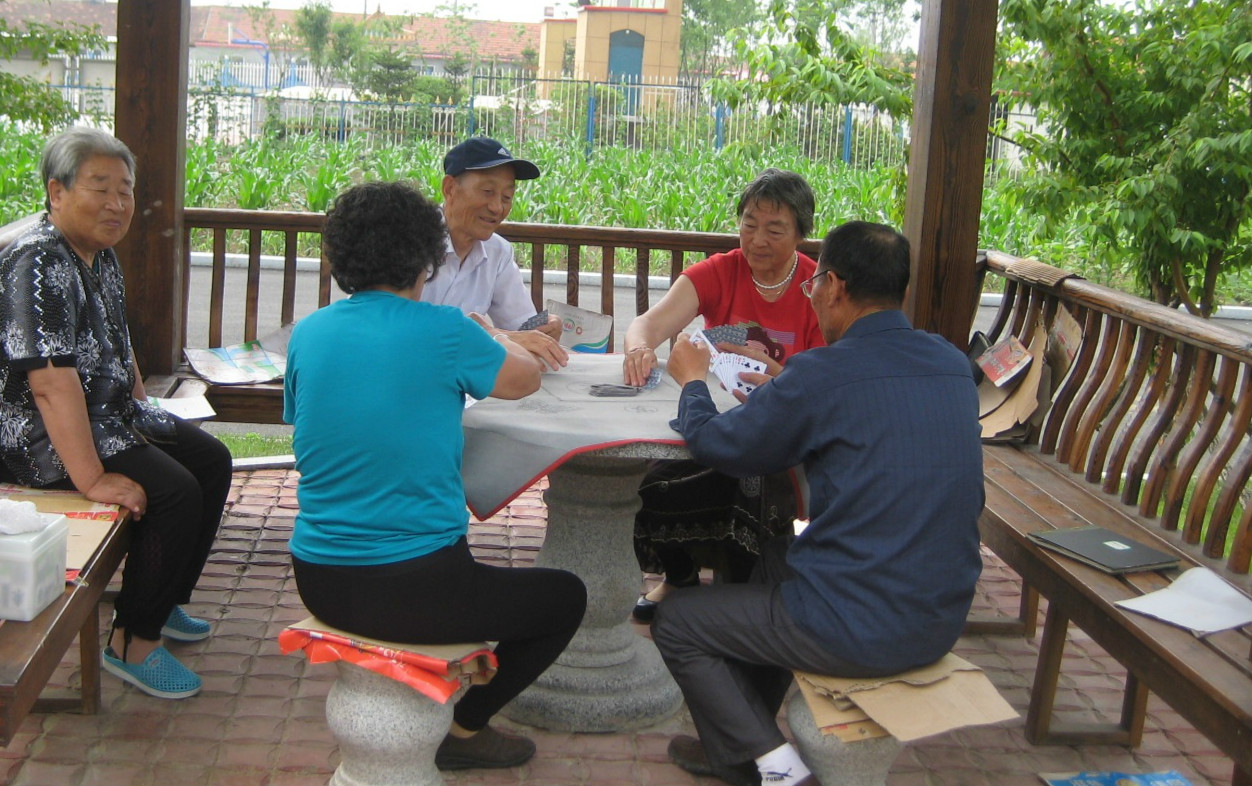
(795, 262)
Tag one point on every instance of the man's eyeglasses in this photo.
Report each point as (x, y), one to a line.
(806, 286)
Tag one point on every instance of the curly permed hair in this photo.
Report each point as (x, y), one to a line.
(382, 235)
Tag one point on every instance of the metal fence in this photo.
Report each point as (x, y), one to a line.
(576, 112)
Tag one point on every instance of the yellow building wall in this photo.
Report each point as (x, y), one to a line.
(661, 30)
(552, 37)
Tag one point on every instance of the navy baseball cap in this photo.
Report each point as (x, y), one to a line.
(482, 152)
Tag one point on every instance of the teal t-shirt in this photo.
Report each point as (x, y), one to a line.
(375, 388)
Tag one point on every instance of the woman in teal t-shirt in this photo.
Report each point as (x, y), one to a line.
(375, 388)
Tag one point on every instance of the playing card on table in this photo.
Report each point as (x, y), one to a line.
(654, 378)
(728, 334)
(535, 322)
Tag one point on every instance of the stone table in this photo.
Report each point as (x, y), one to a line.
(595, 452)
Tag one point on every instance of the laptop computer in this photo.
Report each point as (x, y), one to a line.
(1104, 549)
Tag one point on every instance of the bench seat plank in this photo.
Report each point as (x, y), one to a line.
(1205, 679)
(31, 651)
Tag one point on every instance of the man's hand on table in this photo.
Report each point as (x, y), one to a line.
(545, 349)
(687, 362)
(553, 328)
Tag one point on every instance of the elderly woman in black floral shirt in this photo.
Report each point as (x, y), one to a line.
(73, 413)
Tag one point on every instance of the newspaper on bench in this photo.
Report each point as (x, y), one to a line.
(249, 363)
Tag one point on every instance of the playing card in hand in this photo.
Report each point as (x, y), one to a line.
(535, 322)
(728, 334)
(727, 365)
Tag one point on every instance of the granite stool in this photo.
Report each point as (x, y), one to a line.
(387, 732)
(391, 705)
(834, 762)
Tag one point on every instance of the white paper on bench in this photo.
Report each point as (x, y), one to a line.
(1198, 600)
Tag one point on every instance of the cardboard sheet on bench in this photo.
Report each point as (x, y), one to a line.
(88, 521)
(931, 700)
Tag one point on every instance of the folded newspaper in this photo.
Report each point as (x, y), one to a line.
(238, 364)
(263, 360)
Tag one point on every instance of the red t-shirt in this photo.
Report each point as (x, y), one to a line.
(782, 328)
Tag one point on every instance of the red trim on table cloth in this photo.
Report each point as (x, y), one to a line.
(564, 458)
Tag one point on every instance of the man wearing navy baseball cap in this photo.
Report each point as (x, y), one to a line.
(479, 275)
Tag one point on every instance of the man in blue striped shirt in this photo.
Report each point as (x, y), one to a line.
(885, 422)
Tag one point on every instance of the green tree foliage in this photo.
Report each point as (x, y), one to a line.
(25, 99)
(810, 57)
(1146, 131)
(390, 76)
(706, 24)
(885, 25)
(314, 24)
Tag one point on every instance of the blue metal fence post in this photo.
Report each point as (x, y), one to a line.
(591, 117)
(343, 119)
(719, 127)
(847, 135)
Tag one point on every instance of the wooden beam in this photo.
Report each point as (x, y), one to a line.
(151, 118)
(951, 106)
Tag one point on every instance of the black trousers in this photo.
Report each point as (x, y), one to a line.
(186, 482)
(446, 597)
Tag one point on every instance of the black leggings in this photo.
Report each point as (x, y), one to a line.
(186, 483)
(446, 597)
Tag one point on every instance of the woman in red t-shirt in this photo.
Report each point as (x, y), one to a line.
(692, 515)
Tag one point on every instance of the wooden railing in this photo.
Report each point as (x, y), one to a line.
(535, 244)
(1155, 409)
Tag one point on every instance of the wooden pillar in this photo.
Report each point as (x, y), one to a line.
(151, 118)
(951, 105)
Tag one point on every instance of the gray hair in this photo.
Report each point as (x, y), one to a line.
(785, 189)
(66, 152)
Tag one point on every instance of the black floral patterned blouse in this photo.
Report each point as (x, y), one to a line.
(56, 307)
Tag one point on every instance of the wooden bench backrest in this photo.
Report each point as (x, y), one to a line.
(1155, 408)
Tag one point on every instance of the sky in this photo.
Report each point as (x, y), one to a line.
(498, 10)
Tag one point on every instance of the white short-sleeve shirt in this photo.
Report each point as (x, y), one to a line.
(488, 281)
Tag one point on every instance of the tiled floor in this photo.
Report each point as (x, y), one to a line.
(260, 719)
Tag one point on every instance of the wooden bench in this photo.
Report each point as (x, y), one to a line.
(31, 651)
(1146, 435)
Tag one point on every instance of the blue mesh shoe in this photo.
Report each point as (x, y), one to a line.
(159, 675)
(182, 627)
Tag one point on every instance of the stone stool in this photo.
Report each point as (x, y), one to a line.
(834, 762)
(392, 703)
(387, 732)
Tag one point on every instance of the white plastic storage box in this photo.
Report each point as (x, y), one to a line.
(32, 569)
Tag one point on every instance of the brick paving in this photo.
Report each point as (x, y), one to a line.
(260, 720)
